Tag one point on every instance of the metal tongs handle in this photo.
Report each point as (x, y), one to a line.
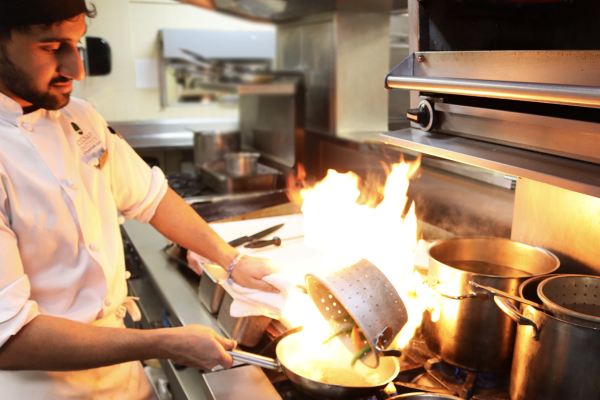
(500, 293)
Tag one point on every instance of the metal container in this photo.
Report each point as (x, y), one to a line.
(211, 291)
(215, 176)
(241, 164)
(376, 308)
(561, 363)
(210, 146)
(247, 331)
(471, 332)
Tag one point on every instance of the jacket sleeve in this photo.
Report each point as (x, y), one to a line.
(136, 188)
(16, 309)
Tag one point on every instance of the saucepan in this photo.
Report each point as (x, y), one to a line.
(324, 371)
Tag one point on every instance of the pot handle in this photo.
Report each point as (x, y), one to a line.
(478, 295)
(254, 359)
(512, 311)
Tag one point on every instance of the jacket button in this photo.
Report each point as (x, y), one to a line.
(120, 220)
(93, 247)
(107, 302)
(27, 126)
(72, 185)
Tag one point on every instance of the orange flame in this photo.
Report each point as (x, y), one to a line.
(346, 231)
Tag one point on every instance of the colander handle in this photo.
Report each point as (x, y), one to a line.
(512, 311)
(476, 295)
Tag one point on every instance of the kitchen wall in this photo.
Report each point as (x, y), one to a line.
(131, 28)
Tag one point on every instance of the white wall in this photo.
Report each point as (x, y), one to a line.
(131, 29)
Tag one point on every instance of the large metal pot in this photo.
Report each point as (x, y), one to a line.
(471, 331)
(553, 359)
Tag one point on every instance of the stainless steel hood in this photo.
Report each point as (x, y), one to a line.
(285, 10)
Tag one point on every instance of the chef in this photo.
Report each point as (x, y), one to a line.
(67, 180)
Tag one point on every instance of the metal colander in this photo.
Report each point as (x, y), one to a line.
(573, 298)
(360, 292)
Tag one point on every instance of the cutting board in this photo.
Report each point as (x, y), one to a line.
(292, 256)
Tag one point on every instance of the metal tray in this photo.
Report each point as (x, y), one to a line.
(210, 291)
(247, 331)
(214, 175)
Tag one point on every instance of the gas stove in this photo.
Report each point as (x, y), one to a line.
(188, 185)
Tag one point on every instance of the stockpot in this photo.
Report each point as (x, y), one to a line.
(553, 359)
(471, 331)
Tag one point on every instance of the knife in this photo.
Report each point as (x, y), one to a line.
(245, 239)
(276, 241)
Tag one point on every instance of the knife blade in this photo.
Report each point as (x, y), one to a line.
(245, 239)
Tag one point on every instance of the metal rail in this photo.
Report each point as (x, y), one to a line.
(584, 96)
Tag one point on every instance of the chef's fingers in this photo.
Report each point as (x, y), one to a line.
(228, 344)
(264, 286)
(226, 361)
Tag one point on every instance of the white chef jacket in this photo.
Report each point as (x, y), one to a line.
(64, 177)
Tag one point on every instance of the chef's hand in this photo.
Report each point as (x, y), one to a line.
(194, 260)
(199, 347)
(250, 270)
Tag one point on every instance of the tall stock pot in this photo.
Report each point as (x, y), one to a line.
(553, 359)
(471, 331)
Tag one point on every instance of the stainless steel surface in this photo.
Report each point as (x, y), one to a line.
(169, 133)
(247, 331)
(561, 221)
(425, 396)
(332, 49)
(572, 298)
(570, 67)
(211, 291)
(177, 294)
(241, 164)
(559, 136)
(325, 374)
(576, 176)
(229, 197)
(215, 176)
(211, 146)
(271, 122)
(473, 333)
(248, 382)
(184, 383)
(373, 314)
(561, 364)
(583, 96)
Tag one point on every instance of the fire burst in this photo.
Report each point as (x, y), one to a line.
(346, 232)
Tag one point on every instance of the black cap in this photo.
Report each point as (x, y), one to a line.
(31, 12)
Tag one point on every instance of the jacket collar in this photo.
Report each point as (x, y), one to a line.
(10, 109)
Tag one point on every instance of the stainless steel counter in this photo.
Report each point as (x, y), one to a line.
(169, 133)
(160, 285)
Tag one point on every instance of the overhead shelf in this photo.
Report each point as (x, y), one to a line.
(577, 176)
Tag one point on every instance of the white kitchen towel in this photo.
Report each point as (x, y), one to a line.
(248, 302)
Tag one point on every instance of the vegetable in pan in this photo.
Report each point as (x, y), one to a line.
(358, 340)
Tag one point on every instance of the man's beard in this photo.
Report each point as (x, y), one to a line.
(17, 81)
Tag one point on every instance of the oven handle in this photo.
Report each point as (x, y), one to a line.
(584, 96)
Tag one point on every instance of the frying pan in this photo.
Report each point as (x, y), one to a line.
(324, 372)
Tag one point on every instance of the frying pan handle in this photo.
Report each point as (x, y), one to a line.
(512, 311)
(388, 353)
(476, 295)
(253, 359)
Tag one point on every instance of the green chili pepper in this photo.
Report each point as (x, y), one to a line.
(343, 330)
(361, 353)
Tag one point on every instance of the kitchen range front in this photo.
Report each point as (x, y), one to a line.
(450, 254)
